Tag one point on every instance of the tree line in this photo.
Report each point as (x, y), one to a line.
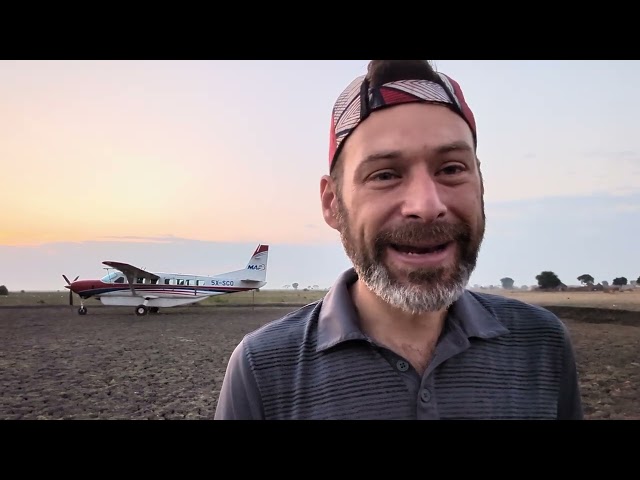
(549, 280)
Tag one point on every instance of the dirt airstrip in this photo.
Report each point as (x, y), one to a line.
(111, 364)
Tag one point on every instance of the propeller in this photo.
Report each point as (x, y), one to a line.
(69, 283)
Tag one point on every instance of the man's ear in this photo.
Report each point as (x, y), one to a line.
(329, 201)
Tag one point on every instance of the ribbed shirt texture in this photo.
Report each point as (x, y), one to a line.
(497, 358)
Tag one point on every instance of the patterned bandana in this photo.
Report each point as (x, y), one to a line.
(358, 100)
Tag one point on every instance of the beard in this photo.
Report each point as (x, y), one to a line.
(423, 289)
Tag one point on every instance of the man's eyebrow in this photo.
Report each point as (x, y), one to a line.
(454, 147)
(384, 155)
(459, 146)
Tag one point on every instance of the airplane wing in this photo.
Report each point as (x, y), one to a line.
(132, 273)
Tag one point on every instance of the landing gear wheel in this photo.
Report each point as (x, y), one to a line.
(141, 310)
(82, 311)
(154, 309)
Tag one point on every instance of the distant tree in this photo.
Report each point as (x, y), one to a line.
(4, 290)
(295, 285)
(507, 282)
(605, 283)
(620, 281)
(548, 279)
(638, 280)
(586, 279)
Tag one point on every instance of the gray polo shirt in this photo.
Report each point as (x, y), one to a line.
(497, 358)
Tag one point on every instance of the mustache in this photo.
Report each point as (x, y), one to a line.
(418, 233)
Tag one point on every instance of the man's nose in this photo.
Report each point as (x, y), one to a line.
(423, 199)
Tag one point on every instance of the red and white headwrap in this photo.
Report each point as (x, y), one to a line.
(359, 99)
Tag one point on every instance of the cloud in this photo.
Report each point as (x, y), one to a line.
(613, 154)
(149, 239)
(626, 208)
(560, 173)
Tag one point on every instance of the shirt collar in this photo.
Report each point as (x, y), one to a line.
(338, 319)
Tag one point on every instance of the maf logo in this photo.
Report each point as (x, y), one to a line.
(256, 267)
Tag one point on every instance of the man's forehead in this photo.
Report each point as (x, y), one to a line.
(394, 142)
(373, 154)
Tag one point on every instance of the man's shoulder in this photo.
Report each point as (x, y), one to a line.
(513, 312)
(288, 330)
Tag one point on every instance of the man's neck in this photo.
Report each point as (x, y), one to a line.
(413, 336)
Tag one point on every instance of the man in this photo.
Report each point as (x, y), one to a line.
(398, 336)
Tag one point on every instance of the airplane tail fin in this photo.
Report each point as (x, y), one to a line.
(256, 269)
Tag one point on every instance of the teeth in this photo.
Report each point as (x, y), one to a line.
(419, 250)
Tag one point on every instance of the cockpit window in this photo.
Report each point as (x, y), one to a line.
(113, 277)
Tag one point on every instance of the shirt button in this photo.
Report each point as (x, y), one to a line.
(425, 395)
(402, 365)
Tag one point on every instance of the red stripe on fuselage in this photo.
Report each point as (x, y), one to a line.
(92, 287)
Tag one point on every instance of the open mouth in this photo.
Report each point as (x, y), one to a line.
(420, 250)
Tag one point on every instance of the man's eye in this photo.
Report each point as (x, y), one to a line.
(452, 169)
(383, 176)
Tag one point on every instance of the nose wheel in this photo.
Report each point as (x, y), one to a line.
(82, 310)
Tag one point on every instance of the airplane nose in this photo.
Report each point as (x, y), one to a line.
(69, 284)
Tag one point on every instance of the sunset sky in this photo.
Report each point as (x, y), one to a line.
(188, 165)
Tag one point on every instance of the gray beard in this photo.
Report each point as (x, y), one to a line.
(425, 290)
(413, 298)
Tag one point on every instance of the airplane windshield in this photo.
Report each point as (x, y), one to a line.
(111, 277)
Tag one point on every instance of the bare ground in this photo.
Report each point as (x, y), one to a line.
(111, 364)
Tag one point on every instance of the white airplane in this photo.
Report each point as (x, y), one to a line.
(147, 292)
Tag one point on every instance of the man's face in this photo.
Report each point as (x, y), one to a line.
(409, 205)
